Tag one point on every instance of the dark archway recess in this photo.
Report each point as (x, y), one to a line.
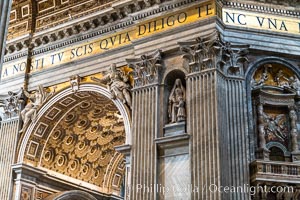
(276, 154)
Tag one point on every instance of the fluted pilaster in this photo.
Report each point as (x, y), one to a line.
(8, 141)
(202, 125)
(143, 135)
(234, 142)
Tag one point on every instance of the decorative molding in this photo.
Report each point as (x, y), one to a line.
(264, 8)
(91, 28)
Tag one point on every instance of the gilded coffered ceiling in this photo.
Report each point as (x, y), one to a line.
(76, 138)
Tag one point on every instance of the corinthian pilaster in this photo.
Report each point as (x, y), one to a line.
(10, 106)
(216, 110)
(145, 101)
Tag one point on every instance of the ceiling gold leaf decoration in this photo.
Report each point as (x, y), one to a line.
(81, 140)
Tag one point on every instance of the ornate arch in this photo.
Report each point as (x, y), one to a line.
(279, 146)
(44, 139)
(73, 194)
(271, 59)
(83, 88)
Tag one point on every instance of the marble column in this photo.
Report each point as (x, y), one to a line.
(5, 6)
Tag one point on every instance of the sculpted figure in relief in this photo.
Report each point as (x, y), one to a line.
(261, 127)
(118, 84)
(295, 84)
(36, 100)
(176, 108)
(294, 132)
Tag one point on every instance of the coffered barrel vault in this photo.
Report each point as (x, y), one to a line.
(140, 99)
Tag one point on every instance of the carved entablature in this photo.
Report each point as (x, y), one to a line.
(47, 14)
(273, 96)
(146, 69)
(211, 52)
(275, 103)
(12, 104)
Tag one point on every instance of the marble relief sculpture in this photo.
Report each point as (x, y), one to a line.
(294, 132)
(36, 100)
(176, 106)
(118, 84)
(261, 127)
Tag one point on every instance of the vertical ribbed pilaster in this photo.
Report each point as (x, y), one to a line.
(203, 128)
(8, 140)
(236, 133)
(143, 146)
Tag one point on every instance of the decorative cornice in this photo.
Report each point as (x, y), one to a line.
(88, 29)
(262, 8)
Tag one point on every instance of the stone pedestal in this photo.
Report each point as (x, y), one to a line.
(263, 154)
(174, 129)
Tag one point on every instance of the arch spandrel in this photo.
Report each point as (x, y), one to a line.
(75, 135)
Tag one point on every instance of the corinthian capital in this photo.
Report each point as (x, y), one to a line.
(146, 68)
(11, 104)
(211, 52)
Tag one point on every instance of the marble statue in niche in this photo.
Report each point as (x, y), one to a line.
(177, 103)
(261, 127)
(36, 100)
(294, 132)
(118, 84)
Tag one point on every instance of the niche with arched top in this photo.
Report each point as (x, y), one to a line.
(174, 103)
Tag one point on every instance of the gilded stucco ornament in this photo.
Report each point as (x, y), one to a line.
(37, 98)
(176, 105)
(118, 84)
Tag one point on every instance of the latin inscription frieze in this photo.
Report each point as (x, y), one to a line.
(100, 45)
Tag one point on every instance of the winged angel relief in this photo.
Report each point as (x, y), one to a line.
(275, 127)
(118, 84)
(36, 100)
